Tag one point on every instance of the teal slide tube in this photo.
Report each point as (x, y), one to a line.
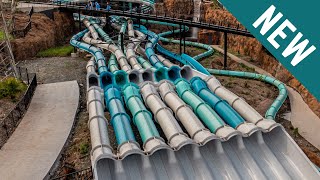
(195, 64)
(145, 64)
(113, 64)
(142, 118)
(105, 76)
(276, 105)
(210, 118)
(120, 120)
(225, 111)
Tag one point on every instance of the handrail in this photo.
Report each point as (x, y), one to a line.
(12, 120)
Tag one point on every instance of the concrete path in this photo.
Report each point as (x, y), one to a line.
(35, 145)
(301, 117)
(25, 7)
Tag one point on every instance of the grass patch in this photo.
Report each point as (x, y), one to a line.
(11, 88)
(60, 51)
(2, 36)
(84, 148)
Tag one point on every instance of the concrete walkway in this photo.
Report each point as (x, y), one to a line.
(301, 117)
(35, 145)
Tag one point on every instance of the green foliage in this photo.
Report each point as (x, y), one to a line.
(296, 132)
(11, 87)
(2, 36)
(60, 51)
(84, 148)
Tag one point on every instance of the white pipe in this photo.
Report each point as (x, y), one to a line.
(240, 105)
(98, 127)
(165, 61)
(131, 56)
(121, 58)
(93, 32)
(164, 117)
(184, 114)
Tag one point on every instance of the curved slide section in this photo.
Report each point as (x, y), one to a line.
(225, 111)
(203, 111)
(142, 118)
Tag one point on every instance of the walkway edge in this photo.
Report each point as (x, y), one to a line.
(56, 163)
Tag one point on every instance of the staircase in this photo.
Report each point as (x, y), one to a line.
(7, 62)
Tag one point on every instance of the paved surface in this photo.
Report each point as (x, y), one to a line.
(301, 115)
(35, 145)
(25, 7)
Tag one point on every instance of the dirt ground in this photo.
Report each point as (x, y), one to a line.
(7, 104)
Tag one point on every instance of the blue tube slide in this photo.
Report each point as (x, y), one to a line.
(120, 120)
(142, 118)
(225, 111)
(105, 75)
(184, 59)
(162, 72)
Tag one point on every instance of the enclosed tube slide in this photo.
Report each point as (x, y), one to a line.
(164, 116)
(131, 55)
(224, 110)
(162, 72)
(100, 143)
(275, 106)
(204, 111)
(120, 122)
(184, 114)
(119, 119)
(105, 75)
(122, 60)
(142, 118)
(241, 106)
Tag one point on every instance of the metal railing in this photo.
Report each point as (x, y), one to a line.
(23, 32)
(12, 120)
(76, 7)
(84, 174)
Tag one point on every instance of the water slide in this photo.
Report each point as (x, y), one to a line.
(191, 127)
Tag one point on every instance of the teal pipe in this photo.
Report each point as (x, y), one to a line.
(195, 64)
(201, 109)
(105, 76)
(225, 111)
(120, 78)
(112, 64)
(120, 120)
(276, 105)
(142, 118)
(145, 64)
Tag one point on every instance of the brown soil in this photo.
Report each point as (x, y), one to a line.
(7, 104)
(44, 33)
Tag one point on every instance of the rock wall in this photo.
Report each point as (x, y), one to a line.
(44, 33)
(176, 8)
(251, 47)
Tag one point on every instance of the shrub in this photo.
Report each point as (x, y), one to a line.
(11, 87)
(84, 148)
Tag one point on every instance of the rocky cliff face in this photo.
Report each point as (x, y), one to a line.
(251, 47)
(176, 8)
(44, 33)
